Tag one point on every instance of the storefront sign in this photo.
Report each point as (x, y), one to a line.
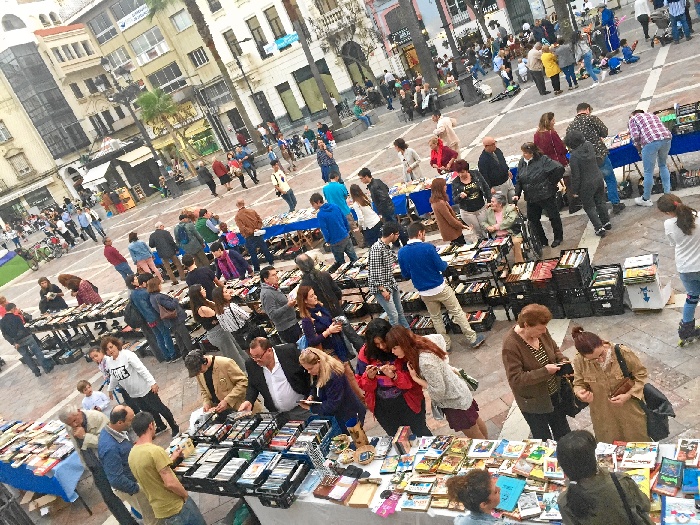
(490, 7)
(132, 18)
(400, 37)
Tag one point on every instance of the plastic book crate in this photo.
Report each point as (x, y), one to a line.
(284, 500)
(576, 277)
(578, 310)
(608, 307)
(325, 445)
(608, 292)
(574, 295)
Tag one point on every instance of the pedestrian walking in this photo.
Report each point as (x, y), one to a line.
(142, 256)
(190, 241)
(250, 225)
(116, 259)
(205, 177)
(282, 188)
(85, 222)
(326, 160)
(335, 229)
(167, 249)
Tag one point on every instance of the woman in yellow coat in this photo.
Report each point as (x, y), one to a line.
(597, 375)
(551, 68)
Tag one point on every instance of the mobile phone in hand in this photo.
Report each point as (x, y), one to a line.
(565, 369)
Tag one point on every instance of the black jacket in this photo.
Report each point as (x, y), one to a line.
(585, 174)
(204, 175)
(327, 291)
(495, 173)
(164, 244)
(380, 197)
(458, 187)
(296, 375)
(538, 178)
(13, 329)
(51, 305)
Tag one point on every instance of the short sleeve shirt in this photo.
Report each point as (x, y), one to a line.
(146, 462)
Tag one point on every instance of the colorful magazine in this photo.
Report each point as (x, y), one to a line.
(678, 510)
(482, 448)
(641, 478)
(551, 506)
(670, 477)
(511, 489)
(640, 455)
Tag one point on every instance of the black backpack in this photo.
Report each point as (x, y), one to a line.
(133, 317)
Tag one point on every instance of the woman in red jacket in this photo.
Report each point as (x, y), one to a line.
(390, 392)
(441, 157)
(548, 140)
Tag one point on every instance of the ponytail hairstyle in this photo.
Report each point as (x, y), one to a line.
(576, 455)
(685, 215)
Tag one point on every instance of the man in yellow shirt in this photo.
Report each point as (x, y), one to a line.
(279, 181)
(151, 467)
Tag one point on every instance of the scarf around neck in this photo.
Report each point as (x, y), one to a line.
(228, 269)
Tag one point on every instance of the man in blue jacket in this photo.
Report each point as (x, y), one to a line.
(420, 262)
(335, 228)
(336, 193)
(113, 450)
(142, 301)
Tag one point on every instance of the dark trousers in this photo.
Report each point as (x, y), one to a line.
(644, 21)
(538, 78)
(594, 205)
(212, 187)
(549, 426)
(128, 400)
(556, 85)
(393, 413)
(252, 244)
(182, 338)
(114, 504)
(403, 234)
(90, 232)
(152, 403)
(409, 112)
(68, 238)
(534, 215)
(291, 334)
(252, 173)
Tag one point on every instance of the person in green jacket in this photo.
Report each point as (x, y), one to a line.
(208, 226)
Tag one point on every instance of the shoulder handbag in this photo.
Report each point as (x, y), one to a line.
(572, 404)
(628, 510)
(627, 382)
(655, 404)
(166, 313)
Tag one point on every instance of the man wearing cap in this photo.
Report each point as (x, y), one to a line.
(275, 373)
(163, 242)
(189, 239)
(222, 384)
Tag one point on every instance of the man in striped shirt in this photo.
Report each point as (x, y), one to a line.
(676, 8)
(653, 141)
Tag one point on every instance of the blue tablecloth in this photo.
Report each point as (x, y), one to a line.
(627, 154)
(60, 481)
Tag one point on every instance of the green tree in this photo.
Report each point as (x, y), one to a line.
(157, 110)
(157, 6)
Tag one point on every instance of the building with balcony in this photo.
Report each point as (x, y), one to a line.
(278, 84)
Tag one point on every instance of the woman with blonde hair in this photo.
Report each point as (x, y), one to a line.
(551, 68)
(367, 219)
(449, 225)
(331, 388)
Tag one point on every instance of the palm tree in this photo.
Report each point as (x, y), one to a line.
(156, 6)
(157, 107)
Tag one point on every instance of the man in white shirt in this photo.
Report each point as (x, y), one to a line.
(263, 134)
(389, 78)
(275, 373)
(279, 181)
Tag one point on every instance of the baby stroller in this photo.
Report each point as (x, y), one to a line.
(662, 21)
(484, 90)
(296, 144)
(509, 92)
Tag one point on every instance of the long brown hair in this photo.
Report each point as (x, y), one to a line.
(220, 302)
(302, 294)
(359, 196)
(669, 203)
(69, 281)
(412, 345)
(546, 122)
(438, 190)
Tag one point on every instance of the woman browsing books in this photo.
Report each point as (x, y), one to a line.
(613, 400)
(478, 492)
(427, 364)
(595, 496)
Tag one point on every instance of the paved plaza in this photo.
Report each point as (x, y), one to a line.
(663, 76)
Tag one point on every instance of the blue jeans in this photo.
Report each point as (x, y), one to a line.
(691, 282)
(365, 119)
(28, 347)
(98, 228)
(339, 250)
(610, 180)
(124, 269)
(290, 199)
(393, 308)
(657, 150)
(252, 243)
(389, 102)
(588, 64)
(189, 515)
(697, 8)
(684, 25)
(570, 75)
(165, 340)
(477, 68)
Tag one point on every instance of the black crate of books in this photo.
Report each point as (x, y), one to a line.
(372, 305)
(412, 302)
(542, 278)
(573, 269)
(278, 490)
(422, 325)
(577, 310)
(479, 320)
(574, 295)
(688, 178)
(257, 472)
(608, 307)
(199, 477)
(606, 283)
(228, 472)
(494, 299)
(353, 310)
(473, 292)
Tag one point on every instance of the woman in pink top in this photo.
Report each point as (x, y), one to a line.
(548, 140)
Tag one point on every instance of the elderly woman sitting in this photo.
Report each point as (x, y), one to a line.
(499, 221)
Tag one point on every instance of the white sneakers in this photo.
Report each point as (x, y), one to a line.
(639, 201)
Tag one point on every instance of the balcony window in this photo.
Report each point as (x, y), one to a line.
(76, 90)
(77, 49)
(87, 48)
(109, 119)
(120, 112)
(20, 164)
(181, 20)
(99, 126)
(198, 57)
(275, 23)
(232, 42)
(44, 21)
(123, 8)
(54, 18)
(90, 84)
(102, 28)
(57, 54)
(4, 132)
(168, 79)
(149, 46)
(214, 5)
(120, 57)
(456, 6)
(325, 6)
(258, 35)
(218, 94)
(68, 52)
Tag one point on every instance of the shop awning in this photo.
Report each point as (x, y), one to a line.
(23, 191)
(96, 173)
(197, 127)
(137, 156)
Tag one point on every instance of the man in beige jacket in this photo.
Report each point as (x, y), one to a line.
(445, 130)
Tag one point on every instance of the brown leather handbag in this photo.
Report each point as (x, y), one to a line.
(627, 382)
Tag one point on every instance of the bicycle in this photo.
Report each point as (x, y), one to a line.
(53, 247)
(532, 246)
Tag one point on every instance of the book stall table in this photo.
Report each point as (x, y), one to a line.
(61, 480)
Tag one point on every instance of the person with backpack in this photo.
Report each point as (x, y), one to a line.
(134, 319)
(141, 299)
(190, 241)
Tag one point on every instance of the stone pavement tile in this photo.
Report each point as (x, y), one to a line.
(691, 367)
(491, 409)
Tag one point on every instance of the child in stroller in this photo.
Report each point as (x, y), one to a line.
(662, 20)
(509, 92)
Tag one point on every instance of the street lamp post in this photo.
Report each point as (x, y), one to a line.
(263, 115)
(124, 96)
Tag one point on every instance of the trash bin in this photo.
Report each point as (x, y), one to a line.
(10, 511)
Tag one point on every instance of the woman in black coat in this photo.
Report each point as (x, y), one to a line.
(587, 181)
(538, 176)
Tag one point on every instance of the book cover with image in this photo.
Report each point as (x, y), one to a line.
(687, 451)
(678, 510)
(550, 504)
(529, 505)
(641, 478)
(482, 448)
(511, 489)
(639, 455)
(670, 477)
